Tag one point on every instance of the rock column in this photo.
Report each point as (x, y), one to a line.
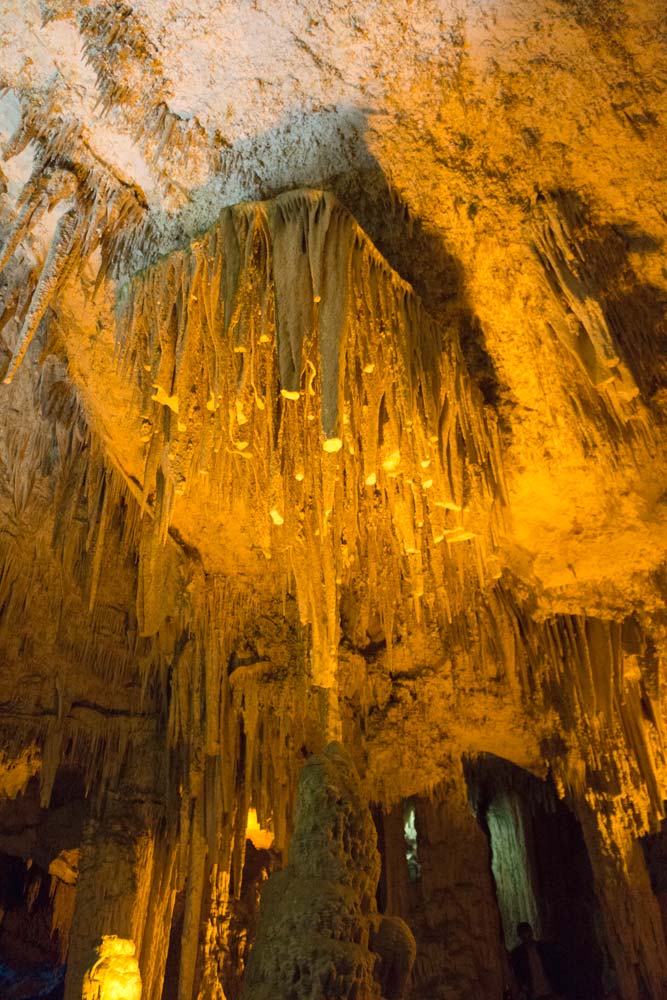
(124, 900)
(631, 919)
(316, 915)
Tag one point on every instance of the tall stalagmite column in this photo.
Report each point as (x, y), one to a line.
(316, 915)
(513, 863)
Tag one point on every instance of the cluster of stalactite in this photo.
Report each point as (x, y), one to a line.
(130, 77)
(603, 325)
(288, 379)
(200, 743)
(298, 385)
(126, 63)
(592, 683)
(87, 208)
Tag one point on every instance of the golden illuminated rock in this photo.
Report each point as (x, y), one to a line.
(332, 406)
(115, 975)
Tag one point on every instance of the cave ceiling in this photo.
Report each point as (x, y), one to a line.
(333, 339)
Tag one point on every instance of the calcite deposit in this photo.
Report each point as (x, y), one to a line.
(317, 914)
(333, 388)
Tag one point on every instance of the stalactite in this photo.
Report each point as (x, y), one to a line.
(125, 62)
(111, 211)
(59, 260)
(584, 692)
(63, 902)
(35, 203)
(289, 352)
(577, 667)
(564, 247)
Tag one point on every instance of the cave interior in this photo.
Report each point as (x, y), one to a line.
(333, 499)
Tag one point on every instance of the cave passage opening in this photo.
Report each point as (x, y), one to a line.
(411, 840)
(541, 869)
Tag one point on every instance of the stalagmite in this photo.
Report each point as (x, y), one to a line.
(332, 416)
(316, 915)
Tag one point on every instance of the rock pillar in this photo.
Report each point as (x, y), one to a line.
(124, 899)
(631, 920)
(316, 915)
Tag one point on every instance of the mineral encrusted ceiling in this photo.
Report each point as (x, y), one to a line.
(519, 144)
(385, 463)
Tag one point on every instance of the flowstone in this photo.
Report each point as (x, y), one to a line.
(317, 914)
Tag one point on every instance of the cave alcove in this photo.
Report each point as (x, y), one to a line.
(541, 869)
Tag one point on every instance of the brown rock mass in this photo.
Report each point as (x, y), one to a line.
(333, 385)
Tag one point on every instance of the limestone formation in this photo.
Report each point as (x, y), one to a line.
(115, 975)
(316, 914)
(393, 941)
(332, 408)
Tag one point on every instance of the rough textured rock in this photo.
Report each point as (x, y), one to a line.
(317, 914)
(457, 958)
(332, 339)
(394, 942)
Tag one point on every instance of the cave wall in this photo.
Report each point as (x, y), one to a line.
(450, 903)
(330, 408)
